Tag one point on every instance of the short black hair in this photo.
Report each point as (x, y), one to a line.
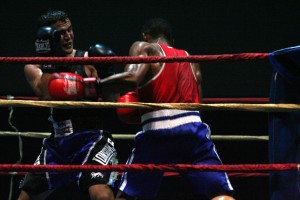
(158, 27)
(52, 16)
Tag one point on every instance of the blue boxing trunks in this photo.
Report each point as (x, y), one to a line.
(174, 137)
(86, 147)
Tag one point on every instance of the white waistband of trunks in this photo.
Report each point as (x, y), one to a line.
(169, 118)
(62, 128)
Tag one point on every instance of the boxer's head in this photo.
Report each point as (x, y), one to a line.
(61, 22)
(157, 28)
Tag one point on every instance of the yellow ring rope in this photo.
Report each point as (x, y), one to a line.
(141, 105)
(131, 136)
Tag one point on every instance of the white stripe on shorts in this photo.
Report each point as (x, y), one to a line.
(171, 120)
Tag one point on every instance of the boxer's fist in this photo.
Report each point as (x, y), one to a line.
(129, 115)
(100, 50)
(46, 40)
(66, 86)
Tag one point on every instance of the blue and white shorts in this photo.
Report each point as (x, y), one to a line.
(174, 137)
(86, 147)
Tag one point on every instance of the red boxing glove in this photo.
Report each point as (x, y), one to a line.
(129, 115)
(66, 86)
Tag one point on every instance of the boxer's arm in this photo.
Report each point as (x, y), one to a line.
(90, 70)
(37, 80)
(198, 76)
(133, 74)
(45, 41)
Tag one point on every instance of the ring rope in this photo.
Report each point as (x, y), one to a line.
(141, 105)
(133, 59)
(230, 174)
(131, 136)
(149, 167)
(205, 100)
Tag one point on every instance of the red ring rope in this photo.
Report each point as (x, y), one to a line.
(133, 59)
(168, 174)
(148, 167)
(136, 59)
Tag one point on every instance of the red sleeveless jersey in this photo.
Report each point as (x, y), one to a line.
(175, 83)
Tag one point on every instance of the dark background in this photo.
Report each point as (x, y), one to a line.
(201, 27)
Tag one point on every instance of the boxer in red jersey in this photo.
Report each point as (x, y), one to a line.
(168, 136)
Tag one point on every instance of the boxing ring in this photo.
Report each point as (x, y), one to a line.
(259, 105)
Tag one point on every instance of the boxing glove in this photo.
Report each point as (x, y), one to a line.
(100, 50)
(128, 115)
(68, 86)
(46, 40)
